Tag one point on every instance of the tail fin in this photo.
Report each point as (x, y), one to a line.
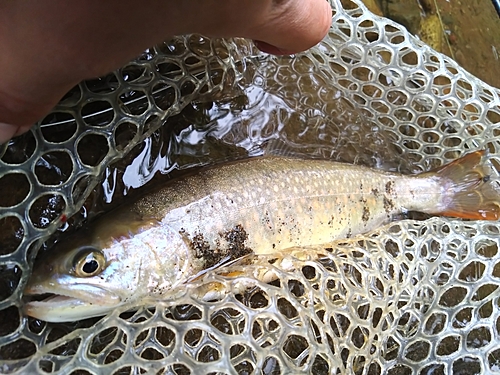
(470, 193)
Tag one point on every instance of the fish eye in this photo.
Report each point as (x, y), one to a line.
(89, 262)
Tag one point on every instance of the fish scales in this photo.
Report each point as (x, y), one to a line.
(149, 249)
(281, 202)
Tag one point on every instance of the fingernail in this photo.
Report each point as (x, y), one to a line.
(269, 48)
(7, 131)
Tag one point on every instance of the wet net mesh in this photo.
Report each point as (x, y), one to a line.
(414, 297)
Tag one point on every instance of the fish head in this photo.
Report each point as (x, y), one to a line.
(97, 270)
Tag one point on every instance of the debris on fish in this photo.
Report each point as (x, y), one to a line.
(148, 249)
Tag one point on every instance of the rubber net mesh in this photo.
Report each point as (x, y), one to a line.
(414, 297)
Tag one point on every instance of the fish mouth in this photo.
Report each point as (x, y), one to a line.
(51, 300)
(68, 305)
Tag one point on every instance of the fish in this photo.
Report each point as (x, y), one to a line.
(151, 248)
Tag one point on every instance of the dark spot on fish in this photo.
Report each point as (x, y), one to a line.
(235, 242)
(375, 192)
(366, 214)
(200, 246)
(389, 187)
(388, 205)
(236, 239)
(349, 233)
(274, 245)
(361, 186)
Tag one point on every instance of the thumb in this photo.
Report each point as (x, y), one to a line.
(293, 26)
(8, 131)
(277, 26)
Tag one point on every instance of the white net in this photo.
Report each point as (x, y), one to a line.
(415, 297)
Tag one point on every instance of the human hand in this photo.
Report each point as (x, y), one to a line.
(48, 47)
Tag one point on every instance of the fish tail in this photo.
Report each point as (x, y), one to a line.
(469, 190)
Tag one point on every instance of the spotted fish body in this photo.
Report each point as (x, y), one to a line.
(147, 249)
(283, 202)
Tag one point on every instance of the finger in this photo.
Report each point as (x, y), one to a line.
(278, 26)
(273, 50)
(7, 131)
(294, 26)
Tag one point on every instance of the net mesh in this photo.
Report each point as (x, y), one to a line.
(414, 297)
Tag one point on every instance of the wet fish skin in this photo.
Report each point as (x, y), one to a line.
(283, 202)
(151, 257)
(147, 249)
